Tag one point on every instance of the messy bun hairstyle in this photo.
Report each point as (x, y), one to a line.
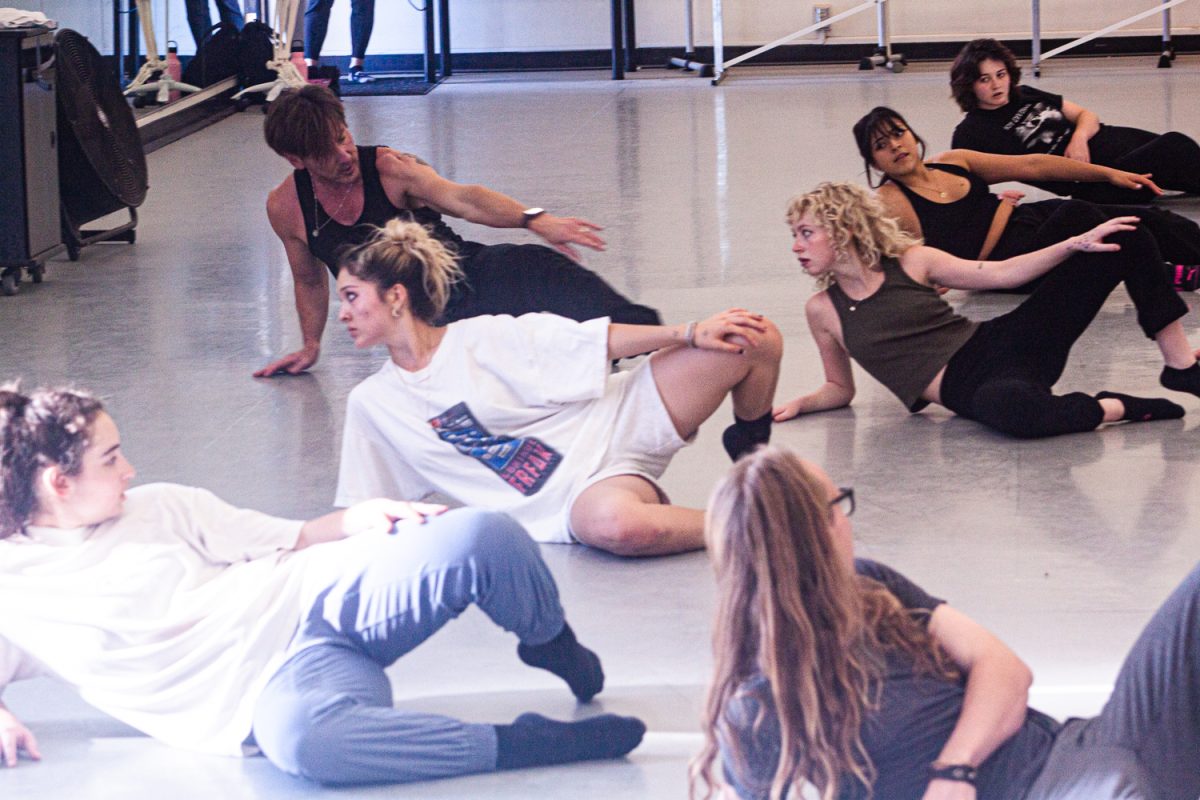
(404, 253)
(47, 427)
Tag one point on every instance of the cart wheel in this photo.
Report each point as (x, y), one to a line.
(896, 66)
(73, 251)
(9, 283)
(1164, 61)
(37, 273)
(266, 108)
(866, 63)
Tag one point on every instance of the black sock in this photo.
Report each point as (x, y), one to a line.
(568, 659)
(1144, 409)
(746, 434)
(533, 740)
(1182, 380)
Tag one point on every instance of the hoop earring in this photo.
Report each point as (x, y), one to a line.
(397, 311)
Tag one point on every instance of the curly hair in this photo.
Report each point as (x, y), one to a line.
(856, 222)
(965, 69)
(44, 428)
(404, 253)
(788, 609)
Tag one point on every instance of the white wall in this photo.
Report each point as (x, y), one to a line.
(533, 25)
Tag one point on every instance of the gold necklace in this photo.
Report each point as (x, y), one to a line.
(317, 224)
(931, 187)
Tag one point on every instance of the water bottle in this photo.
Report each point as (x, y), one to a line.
(174, 67)
(297, 58)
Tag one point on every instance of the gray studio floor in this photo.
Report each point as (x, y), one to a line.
(1064, 547)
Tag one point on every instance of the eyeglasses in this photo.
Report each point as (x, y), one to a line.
(844, 500)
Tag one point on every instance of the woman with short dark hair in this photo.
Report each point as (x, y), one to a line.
(1003, 116)
(946, 199)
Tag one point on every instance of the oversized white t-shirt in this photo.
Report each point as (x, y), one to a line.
(511, 414)
(171, 617)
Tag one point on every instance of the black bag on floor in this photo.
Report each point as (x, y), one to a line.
(256, 46)
(216, 59)
(327, 74)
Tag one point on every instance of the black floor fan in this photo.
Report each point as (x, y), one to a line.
(101, 162)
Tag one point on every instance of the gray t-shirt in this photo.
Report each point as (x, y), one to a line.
(904, 736)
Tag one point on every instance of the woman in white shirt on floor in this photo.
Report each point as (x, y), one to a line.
(217, 629)
(523, 415)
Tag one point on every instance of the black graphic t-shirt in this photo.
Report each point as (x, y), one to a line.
(1031, 122)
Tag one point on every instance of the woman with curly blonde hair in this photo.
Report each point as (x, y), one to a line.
(842, 674)
(877, 305)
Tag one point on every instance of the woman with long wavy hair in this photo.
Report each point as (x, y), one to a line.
(877, 304)
(842, 674)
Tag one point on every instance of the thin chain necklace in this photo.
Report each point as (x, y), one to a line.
(930, 186)
(317, 224)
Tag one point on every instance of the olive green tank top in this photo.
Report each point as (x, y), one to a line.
(903, 334)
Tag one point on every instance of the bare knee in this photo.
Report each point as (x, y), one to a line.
(622, 532)
(767, 347)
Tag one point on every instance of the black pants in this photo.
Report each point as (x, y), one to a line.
(316, 23)
(200, 19)
(1172, 159)
(525, 278)
(1003, 376)
(1033, 226)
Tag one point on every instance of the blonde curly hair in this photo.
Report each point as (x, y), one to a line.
(855, 221)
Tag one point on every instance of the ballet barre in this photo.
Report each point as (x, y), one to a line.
(1168, 53)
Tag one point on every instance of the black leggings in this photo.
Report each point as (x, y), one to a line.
(1003, 375)
(1172, 159)
(521, 279)
(1033, 226)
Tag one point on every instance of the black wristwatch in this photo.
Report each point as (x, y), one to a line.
(964, 773)
(529, 215)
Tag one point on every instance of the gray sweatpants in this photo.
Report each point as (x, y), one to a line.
(1145, 744)
(327, 714)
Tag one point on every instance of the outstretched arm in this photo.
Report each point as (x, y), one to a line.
(931, 266)
(838, 389)
(379, 514)
(718, 332)
(310, 279)
(1041, 167)
(410, 181)
(996, 698)
(1087, 125)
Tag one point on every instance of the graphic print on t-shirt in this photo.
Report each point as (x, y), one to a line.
(524, 464)
(1040, 127)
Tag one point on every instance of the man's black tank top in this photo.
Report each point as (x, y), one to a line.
(960, 227)
(377, 209)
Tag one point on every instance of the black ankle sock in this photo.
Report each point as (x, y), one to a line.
(1144, 409)
(1182, 380)
(533, 740)
(746, 434)
(568, 659)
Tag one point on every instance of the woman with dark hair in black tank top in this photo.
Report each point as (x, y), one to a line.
(946, 200)
(879, 307)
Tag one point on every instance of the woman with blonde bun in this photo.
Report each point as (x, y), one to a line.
(523, 414)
